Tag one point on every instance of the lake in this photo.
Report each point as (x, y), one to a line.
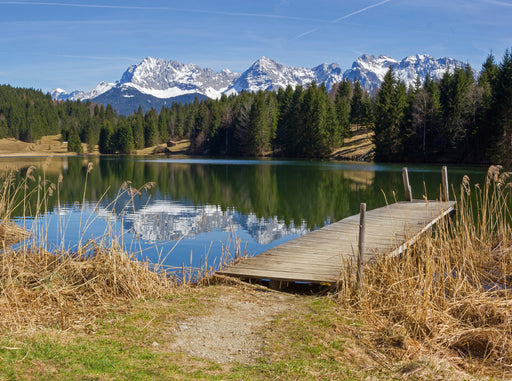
(187, 211)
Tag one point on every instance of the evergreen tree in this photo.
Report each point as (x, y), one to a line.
(137, 122)
(285, 124)
(502, 111)
(150, 128)
(124, 141)
(386, 136)
(357, 111)
(454, 90)
(242, 125)
(163, 124)
(107, 139)
(74, 143)
(343, 101)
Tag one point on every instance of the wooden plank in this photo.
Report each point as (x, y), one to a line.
(320, 256)
(284, 276)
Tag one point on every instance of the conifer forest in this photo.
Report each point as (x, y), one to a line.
(457, 119)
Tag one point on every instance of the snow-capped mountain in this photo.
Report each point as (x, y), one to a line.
(267, 74)
(102, 87)
(156, 82)
(167, 79)
(370, 70)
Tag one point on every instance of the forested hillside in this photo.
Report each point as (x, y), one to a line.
(458, 118)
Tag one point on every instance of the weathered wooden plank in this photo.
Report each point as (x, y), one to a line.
(291, 262)
(320, 256)
(285, 276)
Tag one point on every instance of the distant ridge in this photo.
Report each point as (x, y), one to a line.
(155, 82)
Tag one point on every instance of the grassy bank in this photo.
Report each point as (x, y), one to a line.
(450, 294)
(441, 311)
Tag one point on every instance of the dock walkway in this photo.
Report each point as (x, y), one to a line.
(319, 256)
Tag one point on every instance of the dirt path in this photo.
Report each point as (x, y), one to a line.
(233, 332)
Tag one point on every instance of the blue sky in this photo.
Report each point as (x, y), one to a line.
(74, 44)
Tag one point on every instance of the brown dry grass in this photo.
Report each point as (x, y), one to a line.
(45, 146)
(43, 289)
(180, 148)
(63, 288)
(450, 295)
(50, 145)
(359, 146)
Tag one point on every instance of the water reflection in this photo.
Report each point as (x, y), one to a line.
(169, 221)
(263, 202)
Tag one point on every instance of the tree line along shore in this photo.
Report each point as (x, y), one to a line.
(441, 311)
(457, 118)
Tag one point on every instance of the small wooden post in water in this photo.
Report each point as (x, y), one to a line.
(446, 194)
(407, 186)
(360, 256)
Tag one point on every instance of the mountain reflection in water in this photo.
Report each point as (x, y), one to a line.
(169, 221)
(204, 203)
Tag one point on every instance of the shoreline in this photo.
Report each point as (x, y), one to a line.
(357, 148)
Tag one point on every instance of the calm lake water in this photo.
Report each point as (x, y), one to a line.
(198, 207)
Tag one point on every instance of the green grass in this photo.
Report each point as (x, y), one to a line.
(301, 343)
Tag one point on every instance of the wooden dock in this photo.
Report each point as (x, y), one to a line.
(319, 256)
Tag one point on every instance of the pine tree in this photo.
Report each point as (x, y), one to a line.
(242, 125)
(357, 111)
(150, 128)
(74, 143)
(124, 140)
(284, 125)
(502, 111)
(261, 128)
(385, 133)
(106, 141)
(163, 122)
(342, 102)
(137, 122)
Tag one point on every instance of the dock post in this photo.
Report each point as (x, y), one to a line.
(446, 194)
(360, 256)
(407, 186)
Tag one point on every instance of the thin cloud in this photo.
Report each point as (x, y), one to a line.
(306, 33)
(345, 17)
(360, 11)
(172, 9)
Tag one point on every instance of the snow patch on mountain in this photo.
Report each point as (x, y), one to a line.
(170, 92)
(101, 88)
(155, 78)
(158, 77)
(62, 95)
(267, 74)
(370, 70)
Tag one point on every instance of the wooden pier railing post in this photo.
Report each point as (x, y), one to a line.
(446, 194)
(360, 256)
(407, 186)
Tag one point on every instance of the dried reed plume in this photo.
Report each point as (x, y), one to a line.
(449, 295)
(63, 288)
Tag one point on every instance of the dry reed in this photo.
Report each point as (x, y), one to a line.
(450, 294)
(63, 288)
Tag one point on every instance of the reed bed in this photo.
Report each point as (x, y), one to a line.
(449, 296)
(63, 288)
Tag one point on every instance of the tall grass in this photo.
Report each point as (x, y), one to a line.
(62, 287)
(450, 294)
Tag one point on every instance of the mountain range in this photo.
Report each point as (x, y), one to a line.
(155, 82)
